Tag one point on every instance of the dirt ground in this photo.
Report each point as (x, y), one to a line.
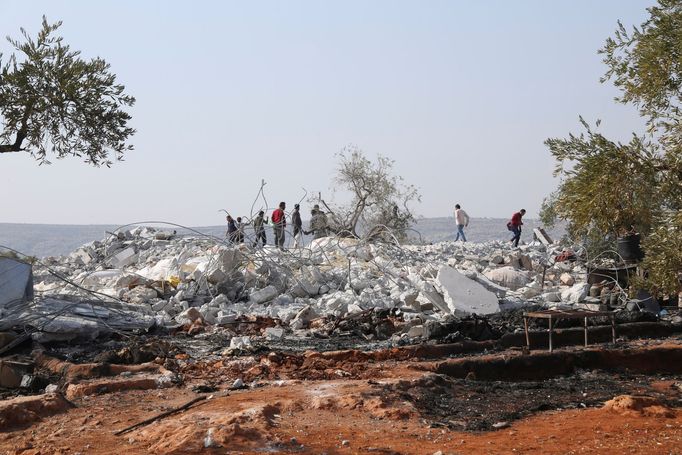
(353, 402)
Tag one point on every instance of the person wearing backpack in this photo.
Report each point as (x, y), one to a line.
(515, 226)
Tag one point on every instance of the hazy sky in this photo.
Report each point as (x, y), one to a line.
(461, 94)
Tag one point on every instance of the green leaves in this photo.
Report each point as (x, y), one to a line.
(663, 261)
(607, 187)
(55, 102)
(646, 65)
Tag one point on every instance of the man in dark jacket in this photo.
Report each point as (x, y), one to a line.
(231, 229)
(298, 226)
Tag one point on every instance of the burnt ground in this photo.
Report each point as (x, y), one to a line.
(470, 405)
(348, 394)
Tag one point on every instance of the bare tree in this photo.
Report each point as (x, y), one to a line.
(380, 200)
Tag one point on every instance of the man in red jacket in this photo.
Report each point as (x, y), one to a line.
(515, 226)
(279, 221)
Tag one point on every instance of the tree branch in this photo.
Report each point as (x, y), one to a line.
(21, 134)
(16, 147)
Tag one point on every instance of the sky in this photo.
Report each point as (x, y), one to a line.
(460, 94)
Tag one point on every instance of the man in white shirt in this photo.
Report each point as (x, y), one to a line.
(462, 220)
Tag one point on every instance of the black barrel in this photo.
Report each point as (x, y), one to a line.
(629, 248)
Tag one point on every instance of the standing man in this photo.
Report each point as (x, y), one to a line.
(259, 228)
(515, 226)
(298, 226)
(279, 221)
(231, 229)
(462, 221)
(318, 223)
(240, 230)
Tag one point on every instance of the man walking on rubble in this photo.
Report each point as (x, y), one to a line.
(280, 223)
(259, 228)
(298, 226)
(515, 226)
(318, 223)
(462, 221)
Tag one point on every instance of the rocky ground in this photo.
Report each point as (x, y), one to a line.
(341, 347)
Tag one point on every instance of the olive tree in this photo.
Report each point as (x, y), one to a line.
(609, 186)
(54, 102)
(380, 200)
(606, 187)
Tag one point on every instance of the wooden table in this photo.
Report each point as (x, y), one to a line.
(555, 315)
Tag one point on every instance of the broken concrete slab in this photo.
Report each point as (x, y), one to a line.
(464, 295)
(542, 236)
(429, 291)
(499, 291)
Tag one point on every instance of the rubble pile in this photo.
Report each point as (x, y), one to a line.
(145, 277)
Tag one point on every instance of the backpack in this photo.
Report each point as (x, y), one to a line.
(510, 226)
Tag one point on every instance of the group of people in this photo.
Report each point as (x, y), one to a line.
(318, 226)
(514, 225)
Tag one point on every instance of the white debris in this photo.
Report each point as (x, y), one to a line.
(274, 333)
(162, 278)
(123, 258)
(567, 279)
(508, 277)
(265, 294)
(464, 295)
(243, 343)
(575, 293)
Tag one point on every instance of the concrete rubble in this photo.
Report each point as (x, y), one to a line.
(142, 278)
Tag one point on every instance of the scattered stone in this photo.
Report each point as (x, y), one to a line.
(567, 279)
(508, 277)
(265, 294)
(51, 388)
(575, 293)
(243, 343)
(274, 333)
(123, 258)
(188, 316)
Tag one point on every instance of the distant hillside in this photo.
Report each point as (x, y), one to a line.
(53, 239)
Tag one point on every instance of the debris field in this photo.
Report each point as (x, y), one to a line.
(156, 342)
